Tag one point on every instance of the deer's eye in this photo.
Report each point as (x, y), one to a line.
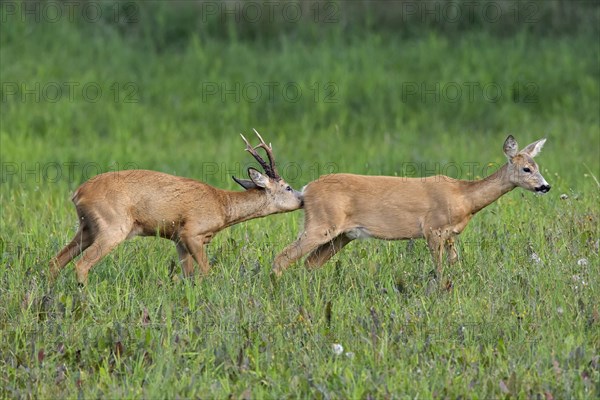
(526, 170)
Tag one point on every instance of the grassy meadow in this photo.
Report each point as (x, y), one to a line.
(522, 319)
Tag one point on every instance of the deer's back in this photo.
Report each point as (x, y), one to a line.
(388, 207)
(382, 189)
(149, 199)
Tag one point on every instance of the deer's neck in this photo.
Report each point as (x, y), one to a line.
(484, 192)
(242, 206)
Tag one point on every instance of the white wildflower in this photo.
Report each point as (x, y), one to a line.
(535, 258)
(337, 349)
(578, 280)
(582, 262)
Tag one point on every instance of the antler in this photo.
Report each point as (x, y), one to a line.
(270, 167)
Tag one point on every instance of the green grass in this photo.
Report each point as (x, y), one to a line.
(510, 327)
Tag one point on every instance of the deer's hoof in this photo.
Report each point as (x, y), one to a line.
(82, 280)
(448, 285)
(276, 273)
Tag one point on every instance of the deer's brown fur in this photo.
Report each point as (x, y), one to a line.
(116, 206)
(342, 207)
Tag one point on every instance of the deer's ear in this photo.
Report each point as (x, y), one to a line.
(257, 178)
(534, 148)
(511, 148)
(245, 183)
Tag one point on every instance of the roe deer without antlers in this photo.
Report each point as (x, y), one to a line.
(116, 206)
(342, 207)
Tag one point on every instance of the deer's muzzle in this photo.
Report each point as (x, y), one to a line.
(543, 188)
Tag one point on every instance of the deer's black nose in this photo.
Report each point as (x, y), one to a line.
(543, 188)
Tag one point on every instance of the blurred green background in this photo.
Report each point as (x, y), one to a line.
(372, 87)
(362, 85)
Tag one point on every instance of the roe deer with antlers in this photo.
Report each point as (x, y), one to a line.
(342, 207)
(116, 206)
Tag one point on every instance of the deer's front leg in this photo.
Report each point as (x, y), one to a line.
(196, 247)
(435, 241)
(194, 244)
(185, 259)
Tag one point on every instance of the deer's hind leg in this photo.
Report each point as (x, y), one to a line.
(107, 230)
(451, 253)
(324, 252)
(306, 243)
(103, 244)
(81, 241)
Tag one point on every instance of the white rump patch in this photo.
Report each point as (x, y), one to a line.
(358, 233)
